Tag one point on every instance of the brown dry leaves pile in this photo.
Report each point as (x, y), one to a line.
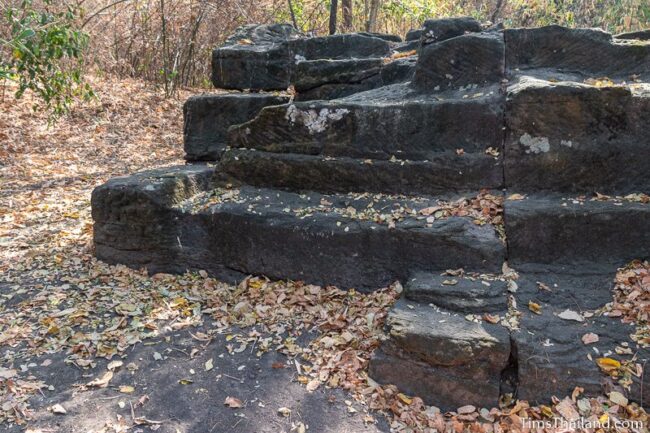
(632, 299)
(54, 296)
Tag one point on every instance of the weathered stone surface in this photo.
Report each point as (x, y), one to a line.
(641, 35)
(263, 57)
(207, 118)
(381, 123)
(442, 357)
(458, 294)
(553, 360)
(446, 172)
(134, 220)
(142, 221)
(475, 59)
(384, 36)
(572, 50)
(578, 234)
(413, 35)
(309, 180)
(438, 30)
(579, 288)
(568, 136)
(332, 79)
(256, 57)
(329, 79)
(343, 46)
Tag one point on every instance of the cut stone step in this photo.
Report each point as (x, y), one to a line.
(256, 57)
(552, 359)
(445, 173)
(263, 57)
(572, 50)
(578, 234)
(443, 358)
(564, 287)
(332, 79)
(207, 118)
(381, 123)
(570, 136)
(460, 294)
(141, 221)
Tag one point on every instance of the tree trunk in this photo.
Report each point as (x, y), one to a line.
(293, 15)
(497, 11)
(371, 24)
(333, 11)
(347, 14)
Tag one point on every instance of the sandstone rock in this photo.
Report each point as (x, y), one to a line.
(390, 121)
(207, 119)
(438, 30)
(442, 357)
(577, 234)
(572, 50)
(156, 219)
(444, 173)
(552, 359)
(413, 35)
(457, 294)
(567, 136)
(641, 35)
(474, 60)
(256, 57)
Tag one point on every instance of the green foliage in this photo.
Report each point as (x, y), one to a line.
(43, 52)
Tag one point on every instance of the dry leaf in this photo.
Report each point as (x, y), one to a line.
(590, 338)
(534, 307)
(101, 382)
(233, 402)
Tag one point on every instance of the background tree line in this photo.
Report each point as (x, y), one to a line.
(46, 45)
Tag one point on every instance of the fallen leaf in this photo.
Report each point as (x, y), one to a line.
(608, 364)
(113, 365)
(313, 385)
(590, 338)
(618, 398)
(404, 398)
(58, 409)
(233, 402)
(101, 382)
(284, 411)
(534, 307)
(127, 389)
(466, 409)
(571, 315)
(567, 410)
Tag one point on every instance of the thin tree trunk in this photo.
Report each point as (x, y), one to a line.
(371, 24)
(165, 49)
(293, 15)
(347, 14)
(334, 7)
(497, 11)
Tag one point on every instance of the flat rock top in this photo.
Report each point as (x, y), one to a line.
(382, 209)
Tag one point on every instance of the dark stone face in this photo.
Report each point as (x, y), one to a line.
(438, 30)
(208, 117)
(541, 118)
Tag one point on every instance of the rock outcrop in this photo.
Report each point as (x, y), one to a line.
(434, 161)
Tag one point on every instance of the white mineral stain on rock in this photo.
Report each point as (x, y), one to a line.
(535, 144)
(567, 143)
(314, 121)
